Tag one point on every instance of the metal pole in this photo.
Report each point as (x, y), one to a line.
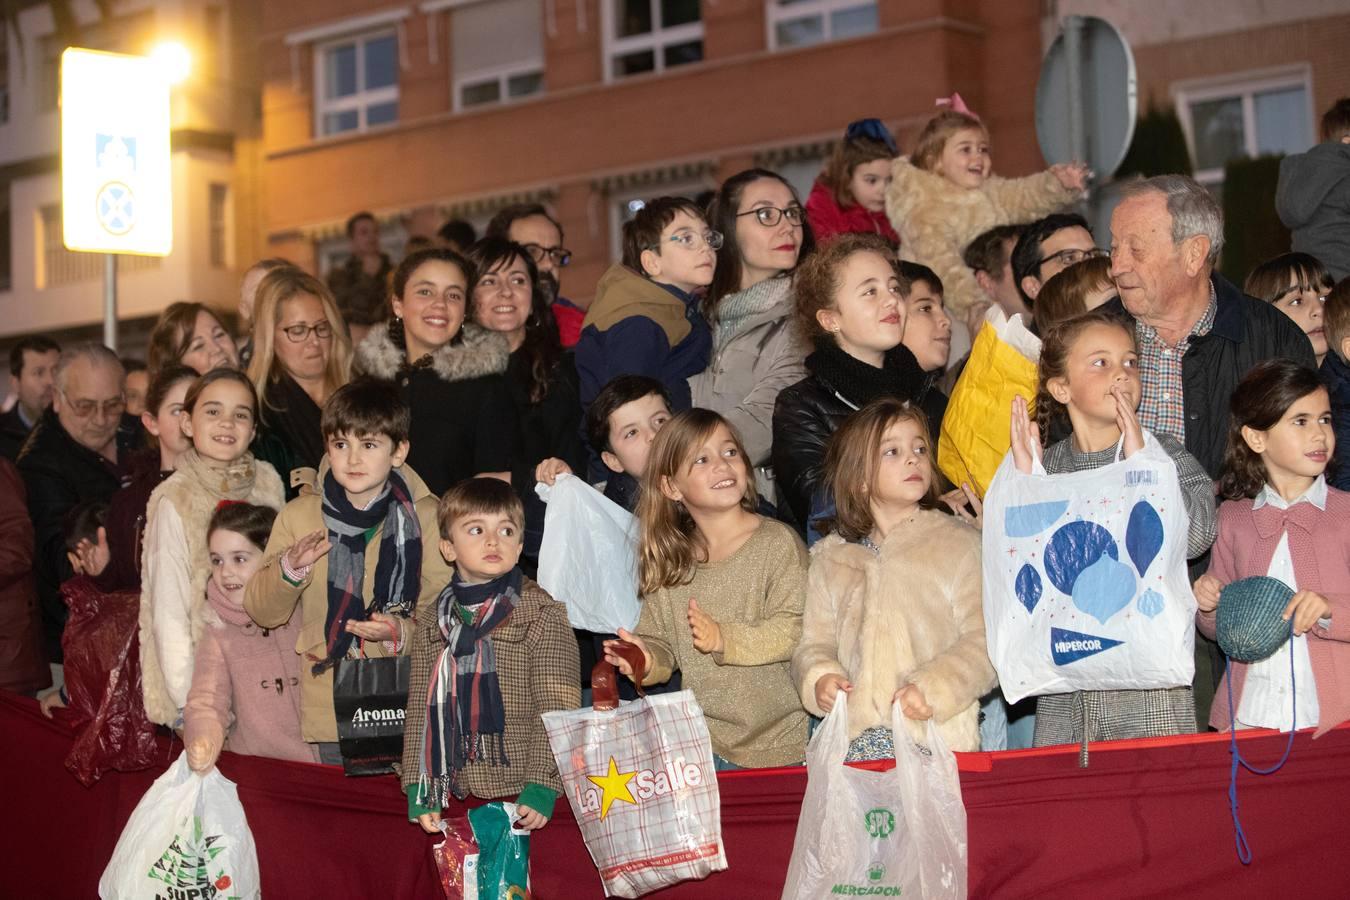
(1073, 55)
(110, 301)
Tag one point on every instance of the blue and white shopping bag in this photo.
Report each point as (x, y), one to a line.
(1085, 584)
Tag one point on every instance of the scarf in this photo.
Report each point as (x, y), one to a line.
(858, 383)
(734, 311)
(229, 612)
(223, 481)
(466, 718)
(295, 419)
(398, 573)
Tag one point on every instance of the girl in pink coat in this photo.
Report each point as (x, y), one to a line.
(246, 679)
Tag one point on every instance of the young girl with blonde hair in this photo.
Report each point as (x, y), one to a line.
(721, 591)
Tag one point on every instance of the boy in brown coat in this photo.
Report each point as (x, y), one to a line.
(490, 656)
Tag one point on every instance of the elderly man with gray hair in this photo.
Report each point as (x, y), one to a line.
(76, 454)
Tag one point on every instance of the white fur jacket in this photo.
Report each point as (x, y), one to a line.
(481, 352)
(936, 220)
(908, 614)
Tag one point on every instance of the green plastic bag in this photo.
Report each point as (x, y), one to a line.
(503, 853)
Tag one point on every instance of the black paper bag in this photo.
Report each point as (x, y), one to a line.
(370, 697)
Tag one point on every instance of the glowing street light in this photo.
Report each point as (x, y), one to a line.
(174, 61)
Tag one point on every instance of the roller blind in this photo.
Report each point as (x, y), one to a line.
(495, 35)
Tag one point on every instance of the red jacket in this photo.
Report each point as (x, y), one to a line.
(1321, 563)
(569, 317)
(23, 666)
(828, 218)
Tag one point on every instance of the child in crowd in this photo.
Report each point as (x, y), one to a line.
(645, 318)
(1283, 521)
(1073, 291)
(721, 591)
(928, 327)
(944, 196)
(893, 603)
(1089, 373)
(357, 555)
(490, 656)
(246, 682)
(1313, 194)
(221, 410)
(1335, 372)
(1297, 285)
(850, 194)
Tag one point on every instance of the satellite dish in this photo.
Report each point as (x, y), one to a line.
(1087, 97)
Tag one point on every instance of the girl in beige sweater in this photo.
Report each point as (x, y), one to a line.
(893, 610)
(722, 592)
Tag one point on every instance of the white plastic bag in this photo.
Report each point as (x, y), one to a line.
(588, 558)
(1085, 584)
(188, 837)
(862, 833)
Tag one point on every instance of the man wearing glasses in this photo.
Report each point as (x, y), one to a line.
(75, 455)
(1049, 246)
(534, 228)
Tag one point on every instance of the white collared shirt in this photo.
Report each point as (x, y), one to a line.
(1266, 697)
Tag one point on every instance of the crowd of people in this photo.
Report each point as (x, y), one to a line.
(355, 475)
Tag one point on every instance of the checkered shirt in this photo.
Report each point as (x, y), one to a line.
(1162, 409)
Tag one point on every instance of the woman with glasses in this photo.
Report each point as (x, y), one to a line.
(301, 355)
(756, 351)
(645, 318)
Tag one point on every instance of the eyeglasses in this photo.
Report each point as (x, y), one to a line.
(770, 216)
(560, 255)
(299, 333)
(691, 241)
(83, 409)
(1073, 255)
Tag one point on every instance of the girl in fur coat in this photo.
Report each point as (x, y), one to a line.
(944, 196)
(221, 410)
(893, 604)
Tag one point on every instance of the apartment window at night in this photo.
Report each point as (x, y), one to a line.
(651, 35)
(497, 51)
(800, 23)
(356, 83)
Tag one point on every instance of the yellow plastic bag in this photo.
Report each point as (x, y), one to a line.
(975, 428)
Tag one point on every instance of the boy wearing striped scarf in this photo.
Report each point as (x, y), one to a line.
(492, 654)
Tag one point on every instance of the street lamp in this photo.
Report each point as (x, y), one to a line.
(174, 60)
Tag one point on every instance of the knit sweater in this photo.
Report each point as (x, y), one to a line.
(746, 691)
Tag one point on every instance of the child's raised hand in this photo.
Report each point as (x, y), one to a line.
(957, 499)
(827, 690)
(430, 822)
(1128, 423)
(308, 550)
(913, 703)
(1025, 435)
(91, 558)
(379, 627)
(202, 754)
(1206, 590)
(707, 633)
(1306, 609)
(622, 664)
(50, 702)
(549, 470)
(530, 819)
(1073, 176)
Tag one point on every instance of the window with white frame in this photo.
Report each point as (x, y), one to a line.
(356, 83)
(496, 52)
(1252, 116)
(651, 35)
(800, 23)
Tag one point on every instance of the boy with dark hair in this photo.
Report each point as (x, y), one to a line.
(1335, 372)
(357, 552)
(645, 318)
(32, 378)
(989, 256)
(491, 654)
(1313, 196)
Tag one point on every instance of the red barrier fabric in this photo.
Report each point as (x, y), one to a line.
(1146, 819)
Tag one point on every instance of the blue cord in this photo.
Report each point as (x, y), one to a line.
(1244, 850)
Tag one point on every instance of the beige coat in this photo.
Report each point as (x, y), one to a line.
(936, 219)
(910, 614)
(271, 600)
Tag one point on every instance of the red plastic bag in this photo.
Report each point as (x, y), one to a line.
(456, 860)
(103, 681)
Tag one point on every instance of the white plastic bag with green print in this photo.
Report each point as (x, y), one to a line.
(900, 833)
(186, 838)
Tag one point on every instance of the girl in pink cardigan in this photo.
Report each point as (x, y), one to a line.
(246, 679)
(1282, 520)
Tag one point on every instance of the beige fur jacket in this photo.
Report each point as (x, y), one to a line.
(936, 220)
(908, 614)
